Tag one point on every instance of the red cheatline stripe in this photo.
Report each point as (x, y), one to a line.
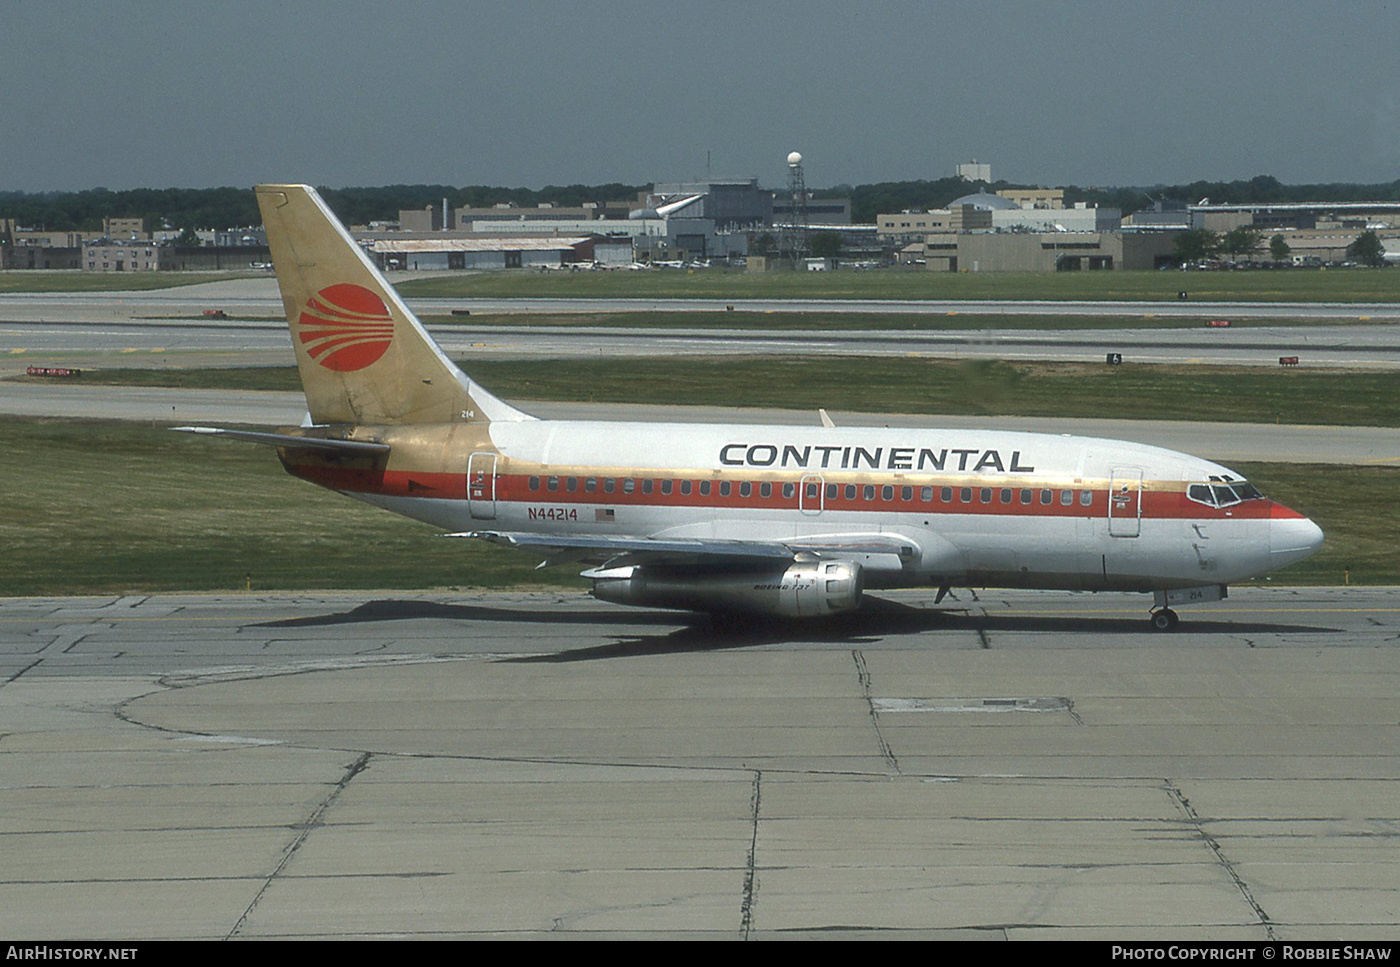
(1172, 505)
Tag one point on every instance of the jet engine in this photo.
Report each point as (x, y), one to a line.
(804, 590)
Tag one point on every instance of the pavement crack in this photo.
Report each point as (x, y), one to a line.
(16, 675)
(312, 822)
(746, 908)
(1215, 848)
(75, 642)
(863, 674)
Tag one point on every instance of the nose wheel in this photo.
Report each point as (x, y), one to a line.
(1164, 619)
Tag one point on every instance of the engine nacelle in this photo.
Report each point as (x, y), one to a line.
(801, 591)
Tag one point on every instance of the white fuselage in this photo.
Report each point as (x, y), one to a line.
(977, 507)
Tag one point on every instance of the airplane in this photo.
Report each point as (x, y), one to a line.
(792, 521)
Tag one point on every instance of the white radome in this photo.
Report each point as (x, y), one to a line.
(794, 159)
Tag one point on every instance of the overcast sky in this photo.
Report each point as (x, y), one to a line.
(148, 93)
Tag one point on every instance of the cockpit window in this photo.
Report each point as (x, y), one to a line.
(1224, 496)
(1223, 492)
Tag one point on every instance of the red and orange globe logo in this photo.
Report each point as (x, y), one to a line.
(345, 327)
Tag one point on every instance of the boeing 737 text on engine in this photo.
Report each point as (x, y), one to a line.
(787, 520)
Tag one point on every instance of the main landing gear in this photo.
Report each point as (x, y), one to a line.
(1164, 619)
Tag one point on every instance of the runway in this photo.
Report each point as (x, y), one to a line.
(259, 297)
(438, 765)
(198, 344)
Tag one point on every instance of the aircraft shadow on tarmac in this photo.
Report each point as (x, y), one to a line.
(876, 619)
(391, 610)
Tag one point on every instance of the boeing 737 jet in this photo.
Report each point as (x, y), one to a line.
(786, 520)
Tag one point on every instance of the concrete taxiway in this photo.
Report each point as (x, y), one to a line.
(196, 344)
(259, 297)
(1008, 765)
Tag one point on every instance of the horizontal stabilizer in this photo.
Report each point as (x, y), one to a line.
(287, 440)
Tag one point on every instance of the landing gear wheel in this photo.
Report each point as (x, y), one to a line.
(1164, 620)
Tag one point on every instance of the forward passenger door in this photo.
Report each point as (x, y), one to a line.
(1125, 502)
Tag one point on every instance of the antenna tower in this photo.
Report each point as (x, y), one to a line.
(794, 230)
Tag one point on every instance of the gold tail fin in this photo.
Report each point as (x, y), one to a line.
(363, 356)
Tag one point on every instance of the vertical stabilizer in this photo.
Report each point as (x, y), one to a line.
(363, 356)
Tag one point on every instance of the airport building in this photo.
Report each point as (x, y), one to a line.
(1080, 218)
(824, 212)
(732, 205)
(28, 248)
(678, 221)
(41, 256)
(915, 236)
(478, 251)
(972, 171)
(130, 255)
(252, 236)
(438, 218)
(1052, 198)
(905, 228)
(130, 229)
(674, 221)
(1300, 215)
(1027, 251)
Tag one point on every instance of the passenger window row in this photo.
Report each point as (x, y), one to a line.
(1024, 496)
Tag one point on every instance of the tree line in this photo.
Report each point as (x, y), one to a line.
(221, 208)
(867, 201)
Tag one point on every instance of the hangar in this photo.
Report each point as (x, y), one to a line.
(485, 251)
(1048, 251)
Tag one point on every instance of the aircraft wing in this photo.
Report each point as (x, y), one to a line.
(616, 551)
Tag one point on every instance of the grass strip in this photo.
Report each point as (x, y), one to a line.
(102, 507)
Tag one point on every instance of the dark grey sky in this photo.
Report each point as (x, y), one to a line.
(148, 93)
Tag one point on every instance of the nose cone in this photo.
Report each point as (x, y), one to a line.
(1292, 537)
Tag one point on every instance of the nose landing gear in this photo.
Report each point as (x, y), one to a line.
(1165, 619)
